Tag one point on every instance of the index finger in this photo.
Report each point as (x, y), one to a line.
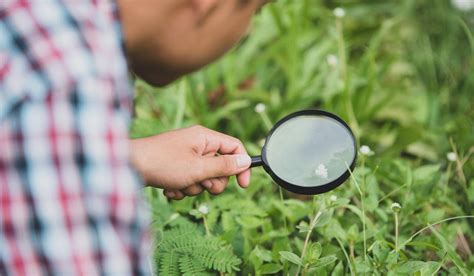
(217, 142)
(225, 144)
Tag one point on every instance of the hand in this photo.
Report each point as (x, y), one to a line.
(187, 161)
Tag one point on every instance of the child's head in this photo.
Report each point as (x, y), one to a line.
(168, 38)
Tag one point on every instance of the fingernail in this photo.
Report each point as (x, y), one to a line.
(207, 184)
(243, 160)
(170, 194)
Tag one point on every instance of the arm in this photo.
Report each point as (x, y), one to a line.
(187, 161)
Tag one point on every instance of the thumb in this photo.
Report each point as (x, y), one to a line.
(225, 165)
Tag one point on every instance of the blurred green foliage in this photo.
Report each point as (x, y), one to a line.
(401, 72)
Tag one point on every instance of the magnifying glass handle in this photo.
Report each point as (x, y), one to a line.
(256, 161)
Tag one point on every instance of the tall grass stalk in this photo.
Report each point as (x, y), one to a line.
(396, 231)
(306, 241)
(345, 77)
(362, 195)
(282, 200)
(349, 261)
(433, 224)
(266, 120)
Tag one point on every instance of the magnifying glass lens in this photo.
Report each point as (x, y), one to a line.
(310, 150)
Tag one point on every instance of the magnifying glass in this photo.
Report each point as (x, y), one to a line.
(309, 152)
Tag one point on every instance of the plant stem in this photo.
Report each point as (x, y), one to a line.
(361, 192)
(351, 264)
(266, 120)
(351, 249)
(345, 77)
(313, 224)
(341, 48)
(362, 201)
(281, 198)
(363, 226)
(433, 224)
(447, 179)
(396, 231)
(208, 232)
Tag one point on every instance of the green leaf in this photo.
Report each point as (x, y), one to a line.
(425, 174)
(186, 250)
(410, 267)
(263, 254)
(291, 257)
(303, 227)
(371, 202)
(270, 268)
(339, 202)
(257, 257)
(431, 268)
(324, 219)
(353, 232)
(338, 269)
(470, 192)
(392, 257)
(249, 222)
(361, 266)
(314, 252)
(228, 221)
(324, 261)
(451, 251)
(195, 213)
(435, 215)
(380, 252)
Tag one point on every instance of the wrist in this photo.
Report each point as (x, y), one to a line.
(138, 156)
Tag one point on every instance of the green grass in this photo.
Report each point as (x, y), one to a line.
(404, 80)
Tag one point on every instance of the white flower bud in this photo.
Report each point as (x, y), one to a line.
(260, 108)
(451, 156)
(333, 197)
(332, 60)
(339, 12)
(365, 150)
(203, 209)
(396, 207)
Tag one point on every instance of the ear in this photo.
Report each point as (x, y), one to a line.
(204, 8)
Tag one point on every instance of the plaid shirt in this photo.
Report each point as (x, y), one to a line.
(69, 200)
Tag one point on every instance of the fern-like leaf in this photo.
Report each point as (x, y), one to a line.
(186, 250)
(190, 266)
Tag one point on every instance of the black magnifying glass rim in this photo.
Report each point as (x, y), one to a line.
(308, 190)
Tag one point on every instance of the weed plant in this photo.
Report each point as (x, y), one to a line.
(402, 74)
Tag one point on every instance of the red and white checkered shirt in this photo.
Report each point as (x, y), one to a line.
(69, 200)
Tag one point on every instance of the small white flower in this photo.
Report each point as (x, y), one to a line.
(339, 12)
(321, 171)
(203, 209)
(365, 150)
(451, 156)
(333, 198)
(260, 108)
(463, 5)
(332, 60)
(396, 207)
